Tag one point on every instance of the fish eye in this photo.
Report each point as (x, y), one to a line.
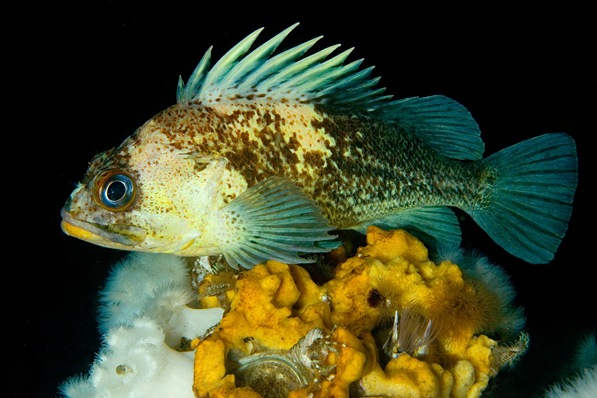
(114, 190)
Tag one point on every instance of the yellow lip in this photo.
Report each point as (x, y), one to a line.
(87, 236)
(80, 233)
(117, 236)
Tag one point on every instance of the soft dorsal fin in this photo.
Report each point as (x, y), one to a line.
(442, 122)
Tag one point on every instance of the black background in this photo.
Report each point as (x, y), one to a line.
(81, 78)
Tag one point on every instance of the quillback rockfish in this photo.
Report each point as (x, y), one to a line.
(263, 155)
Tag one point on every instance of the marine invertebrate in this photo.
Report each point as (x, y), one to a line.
(312, 351)
(146, 328)
(411, 332)
(275, 373)
(508, 319)
(139, 282)
(284, 335)
(482, 299)
(584, 385)
(509, 354)
(135, 361)
(319, 338)
(586, 352)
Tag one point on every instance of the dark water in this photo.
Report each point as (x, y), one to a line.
(106, 68)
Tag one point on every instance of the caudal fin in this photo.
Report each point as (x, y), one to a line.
(532, 200)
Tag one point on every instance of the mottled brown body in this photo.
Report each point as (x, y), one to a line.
(354, 167)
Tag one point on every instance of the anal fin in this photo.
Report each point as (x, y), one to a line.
(435, 225)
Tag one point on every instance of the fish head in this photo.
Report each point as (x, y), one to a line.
(149, 194)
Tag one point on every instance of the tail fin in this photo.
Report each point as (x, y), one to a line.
(532, 199)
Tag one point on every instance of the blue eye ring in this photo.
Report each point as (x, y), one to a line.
(114, 190)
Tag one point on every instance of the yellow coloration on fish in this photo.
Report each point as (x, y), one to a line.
(263, 155)
(287, 336)
(80, 233)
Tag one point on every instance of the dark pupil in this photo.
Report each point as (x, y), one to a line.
(116, 191)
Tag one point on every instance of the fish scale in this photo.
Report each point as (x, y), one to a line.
(263, 155)
(351, 188)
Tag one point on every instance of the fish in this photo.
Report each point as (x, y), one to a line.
(264, 155)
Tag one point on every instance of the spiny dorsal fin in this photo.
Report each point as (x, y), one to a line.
(237, 76)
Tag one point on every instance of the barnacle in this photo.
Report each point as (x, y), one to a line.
(411, 333)
(312, 351)
(274, 373)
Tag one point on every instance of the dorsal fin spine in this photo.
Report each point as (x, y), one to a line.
(296, 68)
(275, 64)
(315, 72)
(195, 80)
(256, 57)
(350, 79)
(329, 77)
(229, 60)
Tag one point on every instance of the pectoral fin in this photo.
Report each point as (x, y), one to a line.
(273, 220)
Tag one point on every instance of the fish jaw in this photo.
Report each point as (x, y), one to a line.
(136, 239)
(97, 235)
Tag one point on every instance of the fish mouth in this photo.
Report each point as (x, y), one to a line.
(116, 236)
